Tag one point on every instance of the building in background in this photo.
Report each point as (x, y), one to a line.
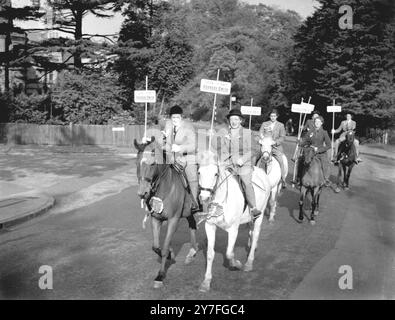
(32, 78)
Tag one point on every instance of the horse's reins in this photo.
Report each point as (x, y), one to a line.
(154, 181)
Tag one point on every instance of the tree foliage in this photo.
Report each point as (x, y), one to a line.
(88, 98)
(354, 66)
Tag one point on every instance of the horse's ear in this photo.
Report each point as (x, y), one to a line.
(136, 145)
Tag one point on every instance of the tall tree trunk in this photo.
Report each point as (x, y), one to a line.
(78, 36)
(8, 57)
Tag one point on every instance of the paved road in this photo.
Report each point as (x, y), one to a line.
(100, 251)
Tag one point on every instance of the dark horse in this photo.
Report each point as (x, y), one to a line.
(163, 189)
(347, 160)
(312, 179)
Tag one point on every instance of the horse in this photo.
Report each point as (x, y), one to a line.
(347, 160)
(162, 188)
(312, 179)
(272, 168)
(227, 210)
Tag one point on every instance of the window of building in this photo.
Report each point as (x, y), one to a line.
(36, 3)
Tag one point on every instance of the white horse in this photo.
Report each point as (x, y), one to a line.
(227, 211)
(273, 170)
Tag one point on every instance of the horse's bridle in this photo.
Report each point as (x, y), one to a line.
(215, 187)
(310, 146)
(153, 181)
(217, 183)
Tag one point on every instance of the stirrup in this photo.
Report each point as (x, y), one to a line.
(255, 212)
(195, 209)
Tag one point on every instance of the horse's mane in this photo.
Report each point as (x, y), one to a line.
(206, 157)
(266, 139)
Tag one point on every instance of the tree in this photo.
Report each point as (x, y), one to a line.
(351, 66)
(250, 50)
(153, 43)
(14, 53)
(88, 97)
(68, 19)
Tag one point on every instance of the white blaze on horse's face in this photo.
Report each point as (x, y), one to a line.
(207, 179)
(266, 147)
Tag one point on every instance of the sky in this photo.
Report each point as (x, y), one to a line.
(93, 25)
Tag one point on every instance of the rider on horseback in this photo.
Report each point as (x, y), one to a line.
(180, 150)
(276, 130)
(318, 138)
(236, 153)
(346, 126)
(309, 126)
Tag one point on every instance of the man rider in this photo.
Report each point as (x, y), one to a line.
(345, 126)
(180, 148)
(236, 152)
(276, 130)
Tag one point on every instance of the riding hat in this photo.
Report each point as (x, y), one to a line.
(175, 110)
(235, 112)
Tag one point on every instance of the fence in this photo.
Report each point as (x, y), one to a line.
(22, 133)
(384, 136)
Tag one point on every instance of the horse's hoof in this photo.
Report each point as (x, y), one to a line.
(312, 222)
(190, 256)
(236, 265)
(271, 219)
(205, 286)
(337, 190)
(346, 188)
(247, 267)
(158, 284)
(171, 255)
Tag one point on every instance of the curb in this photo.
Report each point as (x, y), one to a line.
(28, 215)
(377, 155)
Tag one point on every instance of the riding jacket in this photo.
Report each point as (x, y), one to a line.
(277, 133)
(317, 138)
(185, 137)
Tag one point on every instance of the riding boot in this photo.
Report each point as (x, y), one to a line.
(250, 194)
(193, 191)
(255, 212)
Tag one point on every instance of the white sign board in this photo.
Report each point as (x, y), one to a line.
(214, 86)
(118, 129)
(148, 96)
(252, 111)
(308, 105)
(301, 108)
(333, 109)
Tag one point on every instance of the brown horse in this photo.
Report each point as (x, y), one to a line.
(312, 180)
(347, 161)
(167, 199)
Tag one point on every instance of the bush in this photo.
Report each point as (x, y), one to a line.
(29, 109)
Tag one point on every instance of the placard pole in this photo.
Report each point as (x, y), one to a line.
(146, 110)
(249, 126)
(212, 117)
(333, 134)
